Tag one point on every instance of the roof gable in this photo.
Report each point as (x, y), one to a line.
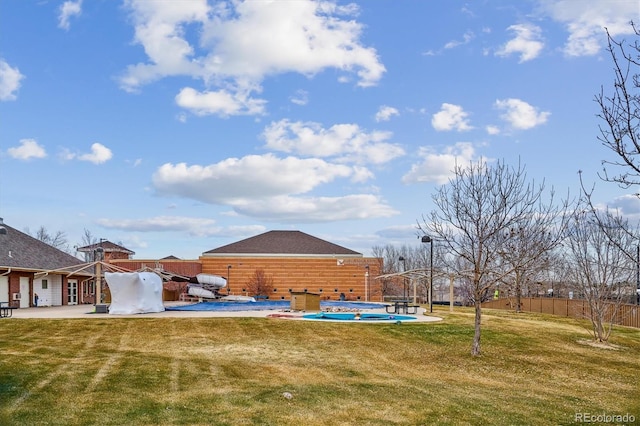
(283, 243)
(22, 251)
(107, 246)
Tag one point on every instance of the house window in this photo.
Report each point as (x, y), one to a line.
(45, 284)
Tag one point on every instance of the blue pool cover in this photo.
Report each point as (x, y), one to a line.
(350, 316)
(267, 305)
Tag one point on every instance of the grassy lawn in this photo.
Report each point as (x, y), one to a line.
(534, 369)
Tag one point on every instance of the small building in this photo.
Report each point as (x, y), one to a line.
(24, 265)
(305, 301)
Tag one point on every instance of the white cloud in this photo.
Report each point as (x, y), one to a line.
(270, 188)
(301, 97)
(253, 176)
(68, 9)
(28, 149)
(160, 28)
(520, 115)
(438, 167)
(398, 233)
(345, 142)
(242, 43)
(222, 103)
(493, 130)
(450, 117)
(585, 21)
(527, 42)
(385, 113)
(316, 209)
(466, 38)
(9, 81)
(627, 205)
(99, 154)
(192, 226)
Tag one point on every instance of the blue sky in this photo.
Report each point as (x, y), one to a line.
(176, 127)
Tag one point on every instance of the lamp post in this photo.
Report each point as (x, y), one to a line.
(98, 257)
(428, 239)
(366, 283)
(228, 279)
(404, 281)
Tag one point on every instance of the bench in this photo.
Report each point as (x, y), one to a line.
(402, 307)
(6, 310)
(412, 309)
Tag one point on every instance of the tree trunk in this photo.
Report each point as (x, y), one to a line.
(475, 349)
(518, 294)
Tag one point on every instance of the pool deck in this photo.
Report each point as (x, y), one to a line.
(87, 312)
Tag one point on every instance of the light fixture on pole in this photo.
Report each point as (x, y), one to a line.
(98, 257)
(428, 239)
(366, 283)
(404, 281)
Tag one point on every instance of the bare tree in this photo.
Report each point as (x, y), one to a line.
(601, 268)
(619, 110)
(620, 131)
(57, 240)
(88, 238)
(473, 211)
(386, 284)
(260, 284)
(526, 246)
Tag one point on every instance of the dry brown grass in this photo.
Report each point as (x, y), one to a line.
(235, 371)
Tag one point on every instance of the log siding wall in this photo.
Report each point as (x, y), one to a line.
(328, 277)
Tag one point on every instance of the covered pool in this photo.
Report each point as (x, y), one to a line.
(267, 305)
(350, 316)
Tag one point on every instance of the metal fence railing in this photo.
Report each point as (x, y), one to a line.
(627, 315)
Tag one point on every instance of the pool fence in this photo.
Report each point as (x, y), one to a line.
(626, 315)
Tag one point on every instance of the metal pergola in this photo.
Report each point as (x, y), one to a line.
(419, 274)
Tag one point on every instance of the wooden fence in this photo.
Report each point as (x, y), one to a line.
(627, 315)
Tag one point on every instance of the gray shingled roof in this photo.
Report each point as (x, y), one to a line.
(21, 251)
(107, 246)
(283, 243)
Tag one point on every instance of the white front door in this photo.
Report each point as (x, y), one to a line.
(72, 292)
(4, 289)
(24, 292)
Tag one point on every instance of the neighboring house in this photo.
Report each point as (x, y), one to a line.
(110, 251)
(24, 262)
(296, 262)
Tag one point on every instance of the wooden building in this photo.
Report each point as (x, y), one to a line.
(295, 262)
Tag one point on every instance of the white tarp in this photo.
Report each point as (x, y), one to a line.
(134, 292)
